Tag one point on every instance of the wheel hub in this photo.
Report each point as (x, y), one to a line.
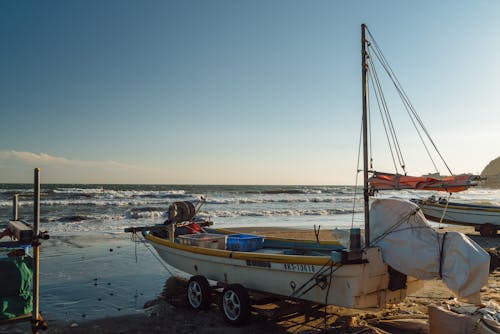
(194, 294)
(231, 305)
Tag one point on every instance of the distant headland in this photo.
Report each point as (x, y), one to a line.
(492, 174)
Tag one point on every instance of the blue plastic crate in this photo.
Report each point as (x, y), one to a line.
(244, 242)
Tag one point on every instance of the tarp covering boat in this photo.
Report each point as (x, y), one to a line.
(410, 245)
(387, 181)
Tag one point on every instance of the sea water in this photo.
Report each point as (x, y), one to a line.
(83, 209)
(91, 269)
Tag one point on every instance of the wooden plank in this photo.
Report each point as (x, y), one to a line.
(21, 318)
(21, 231)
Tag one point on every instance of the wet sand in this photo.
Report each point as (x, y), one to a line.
(167, 312)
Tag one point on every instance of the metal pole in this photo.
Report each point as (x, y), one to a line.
(36, 250)
(15, 207)
(366, 195)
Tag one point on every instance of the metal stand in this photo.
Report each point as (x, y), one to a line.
(19, 228)
(37, 321)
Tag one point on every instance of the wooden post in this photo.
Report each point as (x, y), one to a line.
(15, 207)
(366, 195)
(36, 251)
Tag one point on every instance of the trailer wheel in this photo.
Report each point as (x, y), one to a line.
(235, 304)
(488, 230)
(199, 295)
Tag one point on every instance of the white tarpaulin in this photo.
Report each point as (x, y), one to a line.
(411, 246)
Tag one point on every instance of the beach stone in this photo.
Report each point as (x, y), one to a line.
(494, 258)
(175, 292)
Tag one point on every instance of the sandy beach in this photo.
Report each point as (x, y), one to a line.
(93, 284)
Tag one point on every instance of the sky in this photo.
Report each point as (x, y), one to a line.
(237, 92)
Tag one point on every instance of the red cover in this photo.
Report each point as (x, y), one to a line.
(451, 184)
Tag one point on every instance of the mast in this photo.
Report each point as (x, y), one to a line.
(364, 70)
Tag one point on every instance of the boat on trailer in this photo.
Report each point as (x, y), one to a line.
(353, 276)
(324, 273)
(306, 270)
(484, 218)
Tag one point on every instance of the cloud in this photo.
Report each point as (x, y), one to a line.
(17, 166)
(50, 160)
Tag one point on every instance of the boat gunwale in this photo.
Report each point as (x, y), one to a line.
(326, 243)
(250, 256)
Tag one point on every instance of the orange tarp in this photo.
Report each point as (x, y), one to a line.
(384, 181)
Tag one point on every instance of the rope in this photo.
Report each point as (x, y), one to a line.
(321, 272)
(326, 296)
(137, 239)
(444, 211)
(404, 219)
(441, 249)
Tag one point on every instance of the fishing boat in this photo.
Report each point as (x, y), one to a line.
(385, 270)
(484, 218)
(320, 272)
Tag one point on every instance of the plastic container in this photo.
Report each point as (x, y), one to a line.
(205, 240)
(244, 242)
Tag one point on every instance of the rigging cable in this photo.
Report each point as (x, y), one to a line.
(410, 109)
(357, 175)
(388, 117)
(380, 104)
(369, 117)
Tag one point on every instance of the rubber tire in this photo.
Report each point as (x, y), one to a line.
(235, 295)
(199, 293)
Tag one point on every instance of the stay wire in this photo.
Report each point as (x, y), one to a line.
(404, 96)
(369, 117)
(357, 176)
(414, 118)
(406, 100)
(387, 113)
(380, 107)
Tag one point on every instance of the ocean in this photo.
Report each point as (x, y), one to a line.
(90, 269)
(70, 209)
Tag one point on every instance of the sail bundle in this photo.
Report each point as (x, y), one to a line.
(450, 184)
(411, 246)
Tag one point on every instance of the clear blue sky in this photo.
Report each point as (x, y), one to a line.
(235, 92)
